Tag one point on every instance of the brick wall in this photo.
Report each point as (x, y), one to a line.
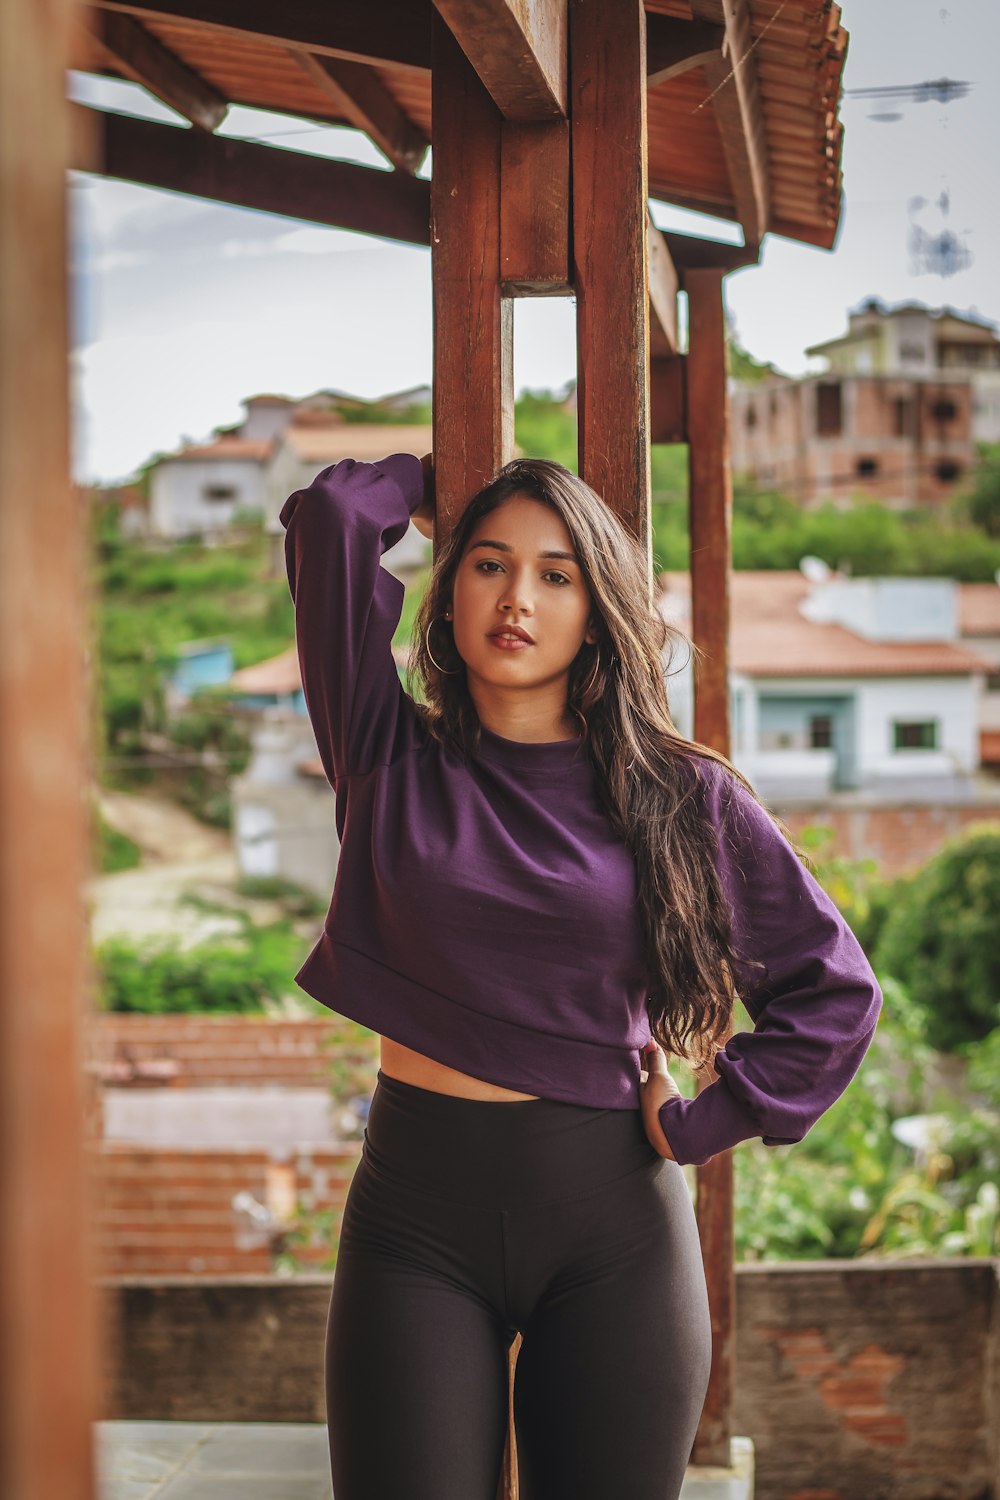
(899, 838)
(855, 1380)
(169, 1212)
(220, 1050)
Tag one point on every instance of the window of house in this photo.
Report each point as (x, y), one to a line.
(901, 416)
(751, 416)
(218, 492)
(821, 732)
(911, 354)
(866, 468)
(944, 411)
(914, 734)
(829, 409)
(946, 471)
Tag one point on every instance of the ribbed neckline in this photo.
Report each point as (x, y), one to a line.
(527, 755)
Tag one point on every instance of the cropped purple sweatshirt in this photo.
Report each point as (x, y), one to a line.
(485, 912)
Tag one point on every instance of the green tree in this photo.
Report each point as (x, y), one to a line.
(940, 938)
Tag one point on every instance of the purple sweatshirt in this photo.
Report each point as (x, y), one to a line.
(485, 914)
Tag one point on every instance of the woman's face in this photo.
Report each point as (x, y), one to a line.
(521, 609)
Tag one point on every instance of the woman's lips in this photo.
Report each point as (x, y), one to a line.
(508, 642)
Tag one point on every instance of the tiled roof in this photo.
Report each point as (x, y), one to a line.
(224, 448)
(989, 747)
(361, 440)
(279, 674)
(770, 638)
(979, 608)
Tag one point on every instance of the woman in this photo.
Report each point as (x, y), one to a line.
(542, 890)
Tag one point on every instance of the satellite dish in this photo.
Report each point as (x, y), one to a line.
(815, 569)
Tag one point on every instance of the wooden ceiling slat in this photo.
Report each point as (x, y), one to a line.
(736, 102)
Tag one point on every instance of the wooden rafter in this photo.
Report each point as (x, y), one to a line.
(396, 32)
(133, 51)
(388, 204)
(732, 82)
(674, 47)
(518, 49)
(361, 96)
(663, 286)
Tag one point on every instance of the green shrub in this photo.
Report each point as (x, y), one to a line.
(248, 972)
(940, 938)
(114, 851)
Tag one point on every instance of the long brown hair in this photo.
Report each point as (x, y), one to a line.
(643, 763)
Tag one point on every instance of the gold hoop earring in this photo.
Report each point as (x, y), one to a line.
(427, 642)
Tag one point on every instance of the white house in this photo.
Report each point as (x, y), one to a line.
(198, 491)
(845, 684)
(308, 445)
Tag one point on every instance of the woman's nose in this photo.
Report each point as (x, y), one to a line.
(517, 599)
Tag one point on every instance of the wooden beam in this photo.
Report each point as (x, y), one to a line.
(732, 82)
(473, 321)
(535, 209)
(674, 46)
(518, 49)
(710, 522)
(50, 1362)
(361, 96)
(133, 51)
(668, 399)
(390, 205)
(608, 119)
(393, 32)
(663, 286)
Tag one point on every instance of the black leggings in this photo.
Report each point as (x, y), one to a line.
(469, 1220)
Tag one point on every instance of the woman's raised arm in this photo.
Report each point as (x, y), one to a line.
(347, 606)
(815, 1007)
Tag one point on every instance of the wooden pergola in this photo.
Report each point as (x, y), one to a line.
(553, 122)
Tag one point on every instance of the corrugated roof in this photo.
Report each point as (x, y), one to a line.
(770, 638)
(361, 440)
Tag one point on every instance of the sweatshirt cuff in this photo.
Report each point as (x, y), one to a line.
(698, 1129)
(407, 473)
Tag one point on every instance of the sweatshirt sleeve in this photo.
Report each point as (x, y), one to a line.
(815, 1004)
(347, 606)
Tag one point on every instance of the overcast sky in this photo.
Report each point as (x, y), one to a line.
(183, 307)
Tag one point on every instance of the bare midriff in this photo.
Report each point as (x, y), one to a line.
(413, 1067)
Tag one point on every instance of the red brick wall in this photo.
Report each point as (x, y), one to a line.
(219, 1050)
(168, 1212)
(899, 838)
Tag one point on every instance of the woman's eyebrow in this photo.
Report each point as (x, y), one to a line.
(506, 547)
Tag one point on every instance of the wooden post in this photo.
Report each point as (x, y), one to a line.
(710, 507)
(473, 321)
(48, 1300)
(610, 267)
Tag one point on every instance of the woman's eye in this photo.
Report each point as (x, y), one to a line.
(557, 577)
(487, 565)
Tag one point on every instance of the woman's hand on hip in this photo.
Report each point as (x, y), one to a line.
(654, 1093)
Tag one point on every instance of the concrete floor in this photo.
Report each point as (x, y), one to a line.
(280, 1461)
